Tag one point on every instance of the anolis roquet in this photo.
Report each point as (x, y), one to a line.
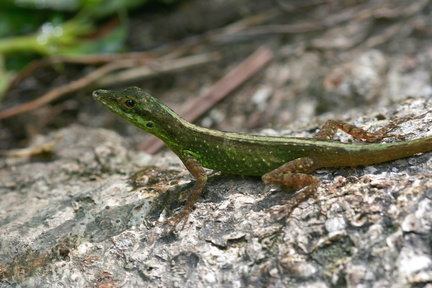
(279, 160)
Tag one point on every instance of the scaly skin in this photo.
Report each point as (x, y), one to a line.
(279, 160)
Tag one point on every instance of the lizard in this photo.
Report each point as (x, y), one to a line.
(287, 161)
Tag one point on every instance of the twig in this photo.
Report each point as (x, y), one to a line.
(31, 151)
(83, 59)
(96, 76)
(65, 89)
(159, 67)
(237, 76)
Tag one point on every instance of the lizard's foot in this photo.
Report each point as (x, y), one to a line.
(288, 206)
(175, 220)
(283, 211)
(383, 132)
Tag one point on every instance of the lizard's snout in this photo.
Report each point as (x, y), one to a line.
(97, 94)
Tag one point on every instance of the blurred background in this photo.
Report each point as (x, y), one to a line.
(321, 56)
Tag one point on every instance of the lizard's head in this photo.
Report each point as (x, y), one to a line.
(137, 107)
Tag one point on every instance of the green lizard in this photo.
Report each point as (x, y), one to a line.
(279, 160)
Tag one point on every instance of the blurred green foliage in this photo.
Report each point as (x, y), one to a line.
(30, 29)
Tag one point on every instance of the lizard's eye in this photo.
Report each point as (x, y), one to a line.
(129, 103)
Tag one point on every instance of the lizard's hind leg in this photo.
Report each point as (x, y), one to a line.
(329, 129)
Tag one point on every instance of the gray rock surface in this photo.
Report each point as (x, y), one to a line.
(75, 220)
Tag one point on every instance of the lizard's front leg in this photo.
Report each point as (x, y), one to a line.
(198, 172)
(295, 174)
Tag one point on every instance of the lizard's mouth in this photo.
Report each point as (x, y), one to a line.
(97, 94)
(103, 96)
